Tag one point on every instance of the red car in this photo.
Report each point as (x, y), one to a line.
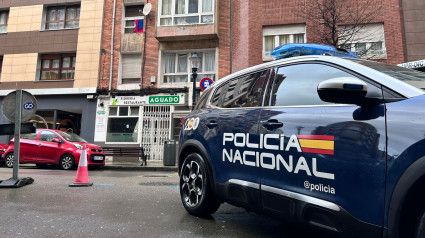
(54, 147)
(2, 150)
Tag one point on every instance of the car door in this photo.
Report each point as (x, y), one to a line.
(328, 156)
(49, 152)
(28, 147)
(233, 128)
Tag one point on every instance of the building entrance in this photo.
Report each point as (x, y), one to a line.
(155, 130)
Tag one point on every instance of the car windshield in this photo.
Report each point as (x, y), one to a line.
(399, 73)
(71, 137)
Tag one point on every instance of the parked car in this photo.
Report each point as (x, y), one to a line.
(54, 147)
(328, 142)
(2, 150)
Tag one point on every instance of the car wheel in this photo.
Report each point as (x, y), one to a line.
(67, 162)
(8, 160)
(420, 226)
(195, 188)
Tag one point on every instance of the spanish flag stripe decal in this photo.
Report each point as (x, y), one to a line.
(317, 144)
(315, 137)
(318, 151)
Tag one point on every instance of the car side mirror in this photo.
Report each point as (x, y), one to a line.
(346, 90)
(56, 140)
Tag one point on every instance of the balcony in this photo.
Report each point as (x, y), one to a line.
(198, 23)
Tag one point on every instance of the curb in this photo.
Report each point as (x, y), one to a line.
(140, 168)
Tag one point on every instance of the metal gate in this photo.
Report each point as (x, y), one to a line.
(156, 129)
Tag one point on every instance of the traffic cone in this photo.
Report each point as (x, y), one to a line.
(82, 178)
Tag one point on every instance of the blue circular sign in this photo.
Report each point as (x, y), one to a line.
(29, 106)
(205, 83)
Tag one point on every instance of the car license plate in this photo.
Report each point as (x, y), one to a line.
(97, 157)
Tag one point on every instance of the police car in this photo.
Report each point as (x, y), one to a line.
(333, 143)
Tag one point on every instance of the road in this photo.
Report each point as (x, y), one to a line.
(120, 204)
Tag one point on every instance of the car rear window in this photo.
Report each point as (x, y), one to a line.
(399, 73)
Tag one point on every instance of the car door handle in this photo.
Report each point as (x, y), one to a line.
(39, 144)
(212, 124)
(271, 124)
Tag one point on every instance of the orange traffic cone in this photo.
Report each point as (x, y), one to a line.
(82, 178)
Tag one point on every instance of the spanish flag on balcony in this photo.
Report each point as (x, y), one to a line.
(317, 144)
(139, 26)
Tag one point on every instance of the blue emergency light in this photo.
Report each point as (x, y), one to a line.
(298, 49)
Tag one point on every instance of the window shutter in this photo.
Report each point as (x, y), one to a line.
(131, 66)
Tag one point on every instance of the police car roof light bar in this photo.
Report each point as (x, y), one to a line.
(299, 49)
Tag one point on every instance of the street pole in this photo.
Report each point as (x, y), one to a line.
(18, 116)
(194, 75)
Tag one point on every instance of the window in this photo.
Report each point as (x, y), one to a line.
(274, 36)
(246, 91)
(123, 124)
(297, 85)
(176, 66)
(57, 66)
(186, 12)
(367, 42)
(131, 68)
(4, 15)
(133, 15)
(62, 17)
(47, 136)
(30, 136)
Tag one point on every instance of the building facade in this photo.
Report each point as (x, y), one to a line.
(414, 29)
(146, 89)
(52, 49)
(121, 71)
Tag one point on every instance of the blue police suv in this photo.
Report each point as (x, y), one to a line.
(337, 144)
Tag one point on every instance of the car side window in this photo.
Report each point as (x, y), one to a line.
(47, 136)
(296, 85)
(246, 91)
(215, 100)
(30, 136)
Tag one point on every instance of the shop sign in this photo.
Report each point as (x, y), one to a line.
(168, 99)
(128, 100)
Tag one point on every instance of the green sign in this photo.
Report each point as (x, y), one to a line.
(170, 99)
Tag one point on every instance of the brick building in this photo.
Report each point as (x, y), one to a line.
(51, 48)
(147, 88)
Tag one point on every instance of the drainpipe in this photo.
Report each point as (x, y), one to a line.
(112, 48)
(231, 37)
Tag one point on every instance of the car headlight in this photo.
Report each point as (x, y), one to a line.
(78, 146)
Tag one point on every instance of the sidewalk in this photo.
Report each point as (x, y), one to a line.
(153, 165)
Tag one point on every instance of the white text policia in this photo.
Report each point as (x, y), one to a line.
(269, 160)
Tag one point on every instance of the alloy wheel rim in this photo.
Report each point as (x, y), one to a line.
(192, 184)
(66, 162)
(9, 160)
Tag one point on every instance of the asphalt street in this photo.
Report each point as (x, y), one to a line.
(121, 204)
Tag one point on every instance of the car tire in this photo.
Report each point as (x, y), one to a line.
(420, 226)
(67, 162)
(8, 160)
(195, 188)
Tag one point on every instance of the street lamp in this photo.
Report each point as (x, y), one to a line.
(195, 62)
